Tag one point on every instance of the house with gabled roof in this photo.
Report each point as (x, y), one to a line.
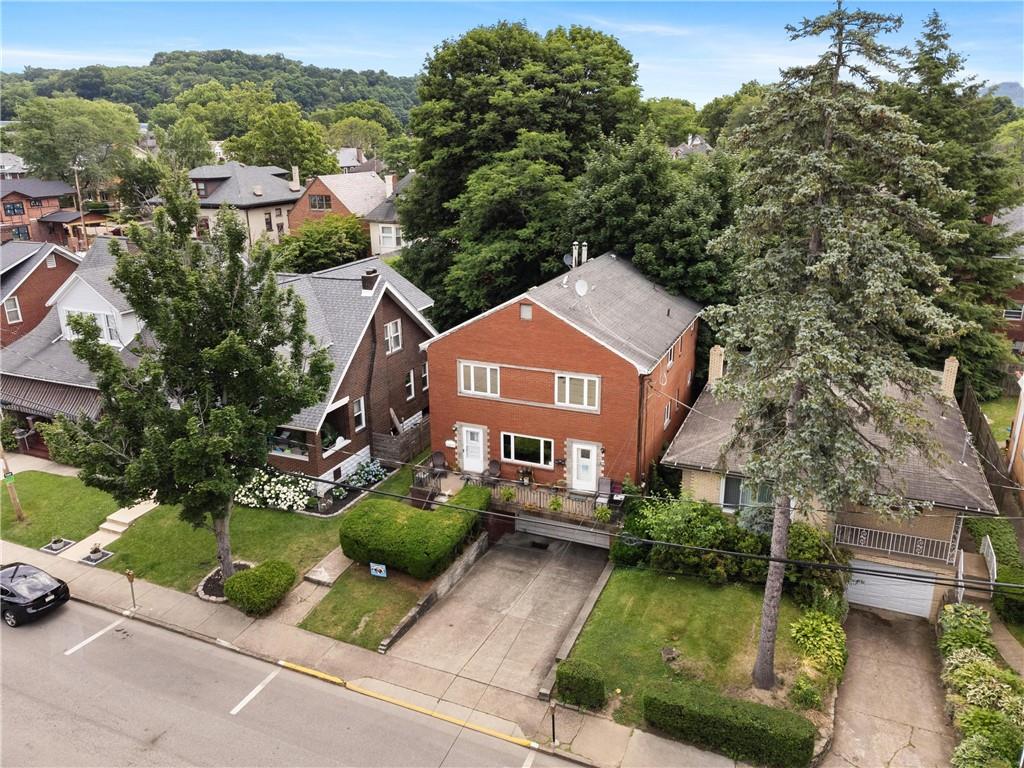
(30, 272)
(343, 194)
(385, 227)
(25, 202)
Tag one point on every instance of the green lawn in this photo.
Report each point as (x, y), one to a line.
(714, 629)
(1017, 630)
(363, 610)
(1000, 413)
(161, 548)
(54, 505)
(401, 481)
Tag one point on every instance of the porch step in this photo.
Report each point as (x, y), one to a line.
(113, 526)
(327, 571)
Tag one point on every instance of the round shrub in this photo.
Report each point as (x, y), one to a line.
(977, 752)
(257, 591)
(821, 641)
(581, 683)
(1006, 738)
(805, 692)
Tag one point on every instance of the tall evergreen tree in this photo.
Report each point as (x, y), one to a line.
(232, 360)
(954, 113)
(830, 278)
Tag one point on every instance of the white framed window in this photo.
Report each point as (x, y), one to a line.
(527, 449)
(668, 414)
(526, 311)
(738, 493)
(105, 322)
(51, 259)
(111, 327)
(393, 336)
(575, 391)
(12, 309)
(479, 379)
(359, 414)
(320, 202)
(390, 236)
(410, 385)
(424, 377)
(671, 355)
(1014, 313)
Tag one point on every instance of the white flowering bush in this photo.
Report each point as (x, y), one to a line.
(273, 490)
(367, 473)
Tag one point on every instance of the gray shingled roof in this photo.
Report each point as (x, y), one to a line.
(14, 252)
(387, 212)
(11, 163)
(620, 307)
(34, 187)
(337, 314)
(98, 267)
(63, 216)
(18, 262)
(1013, 218)
(949, 483)
(238, 183)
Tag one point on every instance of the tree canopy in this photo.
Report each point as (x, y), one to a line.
(674, 119)
(231, 361)
(725, 114)
(366, 109)
(185, 145)
(357, 132)
(280, 136)
(321, 243)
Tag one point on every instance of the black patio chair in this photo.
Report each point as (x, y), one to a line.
(490, 477)
(438, 466)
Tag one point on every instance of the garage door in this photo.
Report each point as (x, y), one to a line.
(892, 594)
(563, 531)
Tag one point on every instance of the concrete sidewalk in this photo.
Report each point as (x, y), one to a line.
(596, 739)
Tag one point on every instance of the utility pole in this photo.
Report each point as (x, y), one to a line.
(19, 514)
(81, 208)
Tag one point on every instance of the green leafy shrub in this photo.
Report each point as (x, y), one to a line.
(822, 641)
(977, 752)
(697, 524)
(7, 438)
(1005, 737)
(957, 639)
(58, 438)
(805, 692)
(810, 544)
(830, 601)
(983, 682)
(965, 616)
(1008, 602)
(419, 542)
(472, 497)
(743, 730)
(581, 683)
(508, 494)
(961, 656)
(602, 513)
(257, 591)
(625, 550)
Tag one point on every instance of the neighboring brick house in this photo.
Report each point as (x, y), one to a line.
(261, 197)
(25, 202)
(918, 548)
(385, 228)
(581, 378)
(1013, 314)
(31, 273)
(344, 194)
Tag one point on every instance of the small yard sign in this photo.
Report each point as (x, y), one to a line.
(379, 570)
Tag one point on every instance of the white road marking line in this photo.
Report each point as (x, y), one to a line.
(529, 759)
(254, 691)
(89, 639)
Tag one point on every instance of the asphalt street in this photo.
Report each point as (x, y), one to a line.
(83, 687)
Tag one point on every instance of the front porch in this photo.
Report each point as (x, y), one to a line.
(932, 536)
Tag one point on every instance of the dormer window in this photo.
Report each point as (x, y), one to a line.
(200, 188)
(106, 322)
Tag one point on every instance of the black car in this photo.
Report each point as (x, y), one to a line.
(27, 592)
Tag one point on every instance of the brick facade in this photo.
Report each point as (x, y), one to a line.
(301, 211)
(32, 295)
(529, 353)
(38, 231)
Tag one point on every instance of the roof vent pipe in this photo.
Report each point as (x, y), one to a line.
(257, 190)
(370, 280)
(583, 253)
(575, 253)
(295, 186)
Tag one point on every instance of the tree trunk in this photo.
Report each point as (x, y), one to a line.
(222, 531)
(764, 667)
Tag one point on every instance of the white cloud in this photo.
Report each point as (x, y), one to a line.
(16, 58)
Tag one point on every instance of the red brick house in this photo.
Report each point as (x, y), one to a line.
(30, 273)
(344, 194)
(25, 202)
(581, 378)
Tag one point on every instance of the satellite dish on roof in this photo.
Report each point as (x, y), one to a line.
(581, 287)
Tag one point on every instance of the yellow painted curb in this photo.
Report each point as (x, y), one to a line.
(409, 705)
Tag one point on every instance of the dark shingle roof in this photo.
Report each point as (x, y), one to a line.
(620, 307)
(387, 212)
(98, 267)
(63, 216)
(709, 425)
(239, 181)
(14, 252)
(34, 188)
(18, 262)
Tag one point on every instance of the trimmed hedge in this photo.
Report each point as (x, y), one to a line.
(419, 542)
(1009, 603)
(580, 682)
(472, 496)
(257, 591)
(743, 730)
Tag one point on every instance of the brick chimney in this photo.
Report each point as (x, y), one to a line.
(716, 364)
(949, 377)
(294, 184)
(370, 281)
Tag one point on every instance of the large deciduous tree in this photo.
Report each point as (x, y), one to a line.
(674, 119)
(230, 360)
(280, 136)
(367, 135)
(321, 243)
(55, 135)
(185, 145)
(955, 113)
(725, 114)
(367, 109)
(832, 278)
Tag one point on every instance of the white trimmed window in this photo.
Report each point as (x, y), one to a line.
(359, 414)
(106, 323)
(424, 377)
(479, 379)
(1014, 313)
(671, 355)
(320, 202)
(390, 236)
(393, 336)
(51, 259)
(689, 377)
(410, 385)
(577, 391)
(668, 414)
(737, 493)
(12, 309)
(526, 449)
(526, 311)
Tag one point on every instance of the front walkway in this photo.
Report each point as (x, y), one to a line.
(20, 462)
(890, 710)
(593, 738)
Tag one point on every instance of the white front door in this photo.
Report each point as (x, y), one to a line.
(472, 449)
(584, 467)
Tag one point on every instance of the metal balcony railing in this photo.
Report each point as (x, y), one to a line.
(894, 543)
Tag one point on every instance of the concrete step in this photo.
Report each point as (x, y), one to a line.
(112, 526)
(129, 515)
(327, 571)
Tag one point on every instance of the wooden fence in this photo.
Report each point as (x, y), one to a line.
(403, 446)
(993, 460)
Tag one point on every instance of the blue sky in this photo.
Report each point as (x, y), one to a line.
(693, 50)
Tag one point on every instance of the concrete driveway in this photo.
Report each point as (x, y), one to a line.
(505, 620)
(890, 707)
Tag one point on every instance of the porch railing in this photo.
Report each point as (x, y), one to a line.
(540, 498)
(960, 576)
(893, 543)
(990, 558)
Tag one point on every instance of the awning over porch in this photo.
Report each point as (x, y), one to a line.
(47, 398)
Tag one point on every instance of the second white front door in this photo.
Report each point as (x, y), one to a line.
(472, 449)
(584, 467)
